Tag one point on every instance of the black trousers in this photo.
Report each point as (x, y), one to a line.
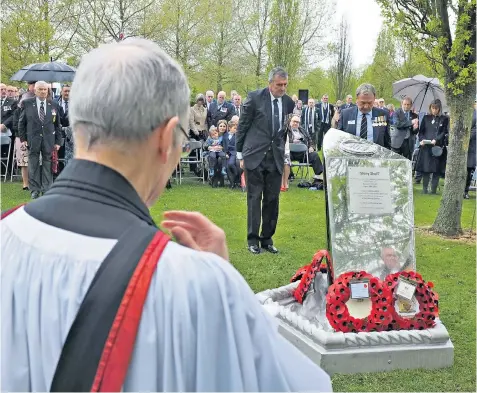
(404, 150)
(434, 181)
(321, 134)
(313, 159)
(469, 179)
(233, 169)
(263, 191)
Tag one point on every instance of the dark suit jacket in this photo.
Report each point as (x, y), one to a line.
(240, 108)
(64, 117)
(8, 107)
(381, 135)
(229, 145)
(331, 108)
(403, 128)
(304, 117)
(346, 106)
(255, 130)
(214, 114)
(306, 138)
(30, 128)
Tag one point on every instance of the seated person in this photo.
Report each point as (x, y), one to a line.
(233, 167)
(216, 155)
(286, 168)
(296, 135)
(222, 128)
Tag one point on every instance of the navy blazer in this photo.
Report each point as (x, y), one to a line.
(381, 136)
(229, 145)
(254, 135)
(214, 115)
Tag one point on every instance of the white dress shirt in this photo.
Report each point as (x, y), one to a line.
(280, 109)
(38, 104)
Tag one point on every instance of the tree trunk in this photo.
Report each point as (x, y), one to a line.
(448, 220)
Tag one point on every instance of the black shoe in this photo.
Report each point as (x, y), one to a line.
(35, 195)
(270, 248)
(466, 196)
(26, 189)
(254, 249)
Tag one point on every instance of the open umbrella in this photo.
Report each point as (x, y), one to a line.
(51, 71)
(422, 90)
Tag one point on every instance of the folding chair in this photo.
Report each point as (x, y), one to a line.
(5, 161)
(14, 167)
(300, 148)
(197, 159)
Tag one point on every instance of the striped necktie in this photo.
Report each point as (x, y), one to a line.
(42, 112)
(363, 133)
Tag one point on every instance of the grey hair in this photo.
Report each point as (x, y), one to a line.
(366, 88)
(199, 96)
(349, 96)
(407, 98)
(125, 90)
(277, 71)
(40, 83)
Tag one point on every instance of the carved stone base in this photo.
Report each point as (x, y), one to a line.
(350, 353)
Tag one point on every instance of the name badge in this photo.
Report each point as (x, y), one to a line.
(351, 121)
(7, 108)
(223, 110)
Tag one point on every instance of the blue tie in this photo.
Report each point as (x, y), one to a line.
(276, 116)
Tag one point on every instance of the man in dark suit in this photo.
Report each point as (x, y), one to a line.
(261, 150)
(404, 129)
(238, 105)
(39, 130)
(310, 122)
(364, 119)
(219, 110)
(63, 105)
(8, 106)
(348, 103)
(326, 111)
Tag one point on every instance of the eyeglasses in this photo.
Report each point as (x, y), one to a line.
(185, 144)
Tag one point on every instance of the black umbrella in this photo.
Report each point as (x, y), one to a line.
(51, 71)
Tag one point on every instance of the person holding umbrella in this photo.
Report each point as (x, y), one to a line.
(432, 132)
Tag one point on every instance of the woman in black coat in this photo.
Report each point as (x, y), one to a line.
(471, 155)
(433, 127)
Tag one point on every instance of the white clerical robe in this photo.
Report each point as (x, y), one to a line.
(201, 329)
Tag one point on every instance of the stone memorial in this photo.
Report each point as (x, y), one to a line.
(370, 224)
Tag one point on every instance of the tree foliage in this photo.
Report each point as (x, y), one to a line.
(427, 25)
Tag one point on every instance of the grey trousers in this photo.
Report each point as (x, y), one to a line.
(40, 177)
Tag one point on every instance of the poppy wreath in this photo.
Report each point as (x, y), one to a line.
(339, 293)
(306, 274)
(428, 302)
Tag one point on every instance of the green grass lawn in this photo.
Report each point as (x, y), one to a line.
(450, 264)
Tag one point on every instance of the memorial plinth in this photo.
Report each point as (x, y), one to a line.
(369, 195)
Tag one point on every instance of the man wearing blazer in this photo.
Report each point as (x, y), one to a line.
(365, 120)
(326, 111)
(310, 122)
(261, 150)
(39, 129)
(404, 130)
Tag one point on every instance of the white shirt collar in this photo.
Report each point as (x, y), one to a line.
(278, 98)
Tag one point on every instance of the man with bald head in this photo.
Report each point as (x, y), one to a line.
(39, 130)
(220, 110)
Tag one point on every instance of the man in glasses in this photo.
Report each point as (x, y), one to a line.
(109, 302)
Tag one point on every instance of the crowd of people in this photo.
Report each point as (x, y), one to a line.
(421, 136)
